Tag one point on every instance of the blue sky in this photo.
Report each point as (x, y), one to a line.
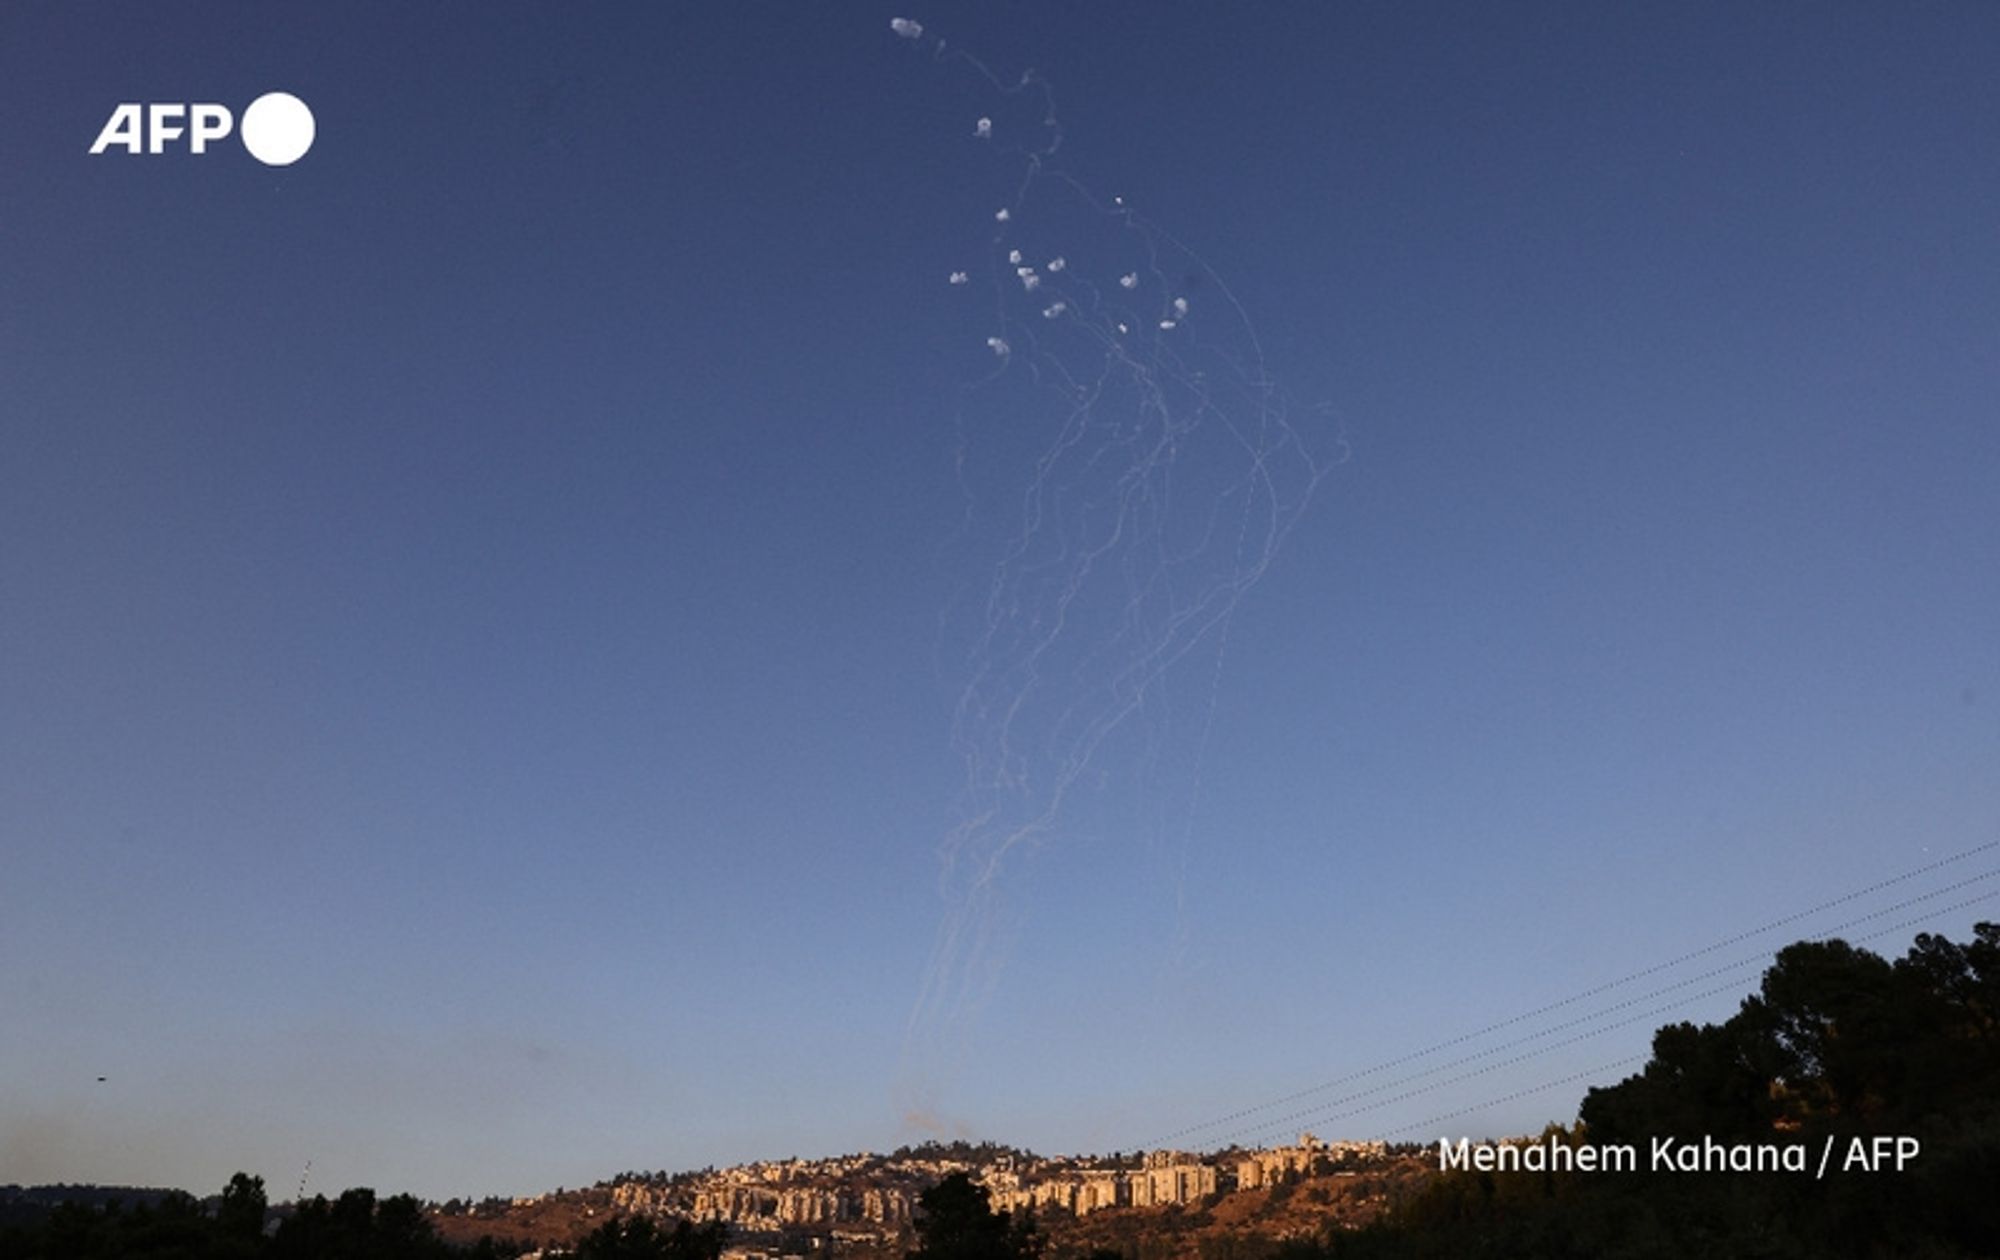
(487, 606)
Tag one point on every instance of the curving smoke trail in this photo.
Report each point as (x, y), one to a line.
(1130, 473)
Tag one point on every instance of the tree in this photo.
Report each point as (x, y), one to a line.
(241, 1215)
(357, 1227)
(1832, 1023)
(637, 1238)
(956, 1221)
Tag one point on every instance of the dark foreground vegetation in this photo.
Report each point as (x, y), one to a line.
(1838, 1043)
(356, 1226)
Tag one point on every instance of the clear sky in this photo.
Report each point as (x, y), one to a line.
(544, 639)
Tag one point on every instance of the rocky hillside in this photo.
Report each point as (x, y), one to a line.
(1150, 1206)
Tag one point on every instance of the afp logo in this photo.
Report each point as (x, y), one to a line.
(277, 128)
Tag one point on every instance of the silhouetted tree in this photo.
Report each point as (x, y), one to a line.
(1836, 1043)
(356, 1227)
(956, 1221)
(241, 1214)
(637, 1238)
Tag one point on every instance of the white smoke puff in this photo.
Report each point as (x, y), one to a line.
(1130, 280)
(997, 346)
(1057, 264)
(1013, 255)
(983, 129)
(1001, 215)
(1180, 307)
(959, 277)
(906, 28)
(1052, 311)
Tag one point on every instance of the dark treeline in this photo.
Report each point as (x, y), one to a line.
(356, 1226)
(1836, 1042)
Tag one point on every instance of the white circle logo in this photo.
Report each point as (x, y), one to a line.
(277, 128)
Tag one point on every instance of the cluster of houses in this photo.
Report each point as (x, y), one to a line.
(875, 1194)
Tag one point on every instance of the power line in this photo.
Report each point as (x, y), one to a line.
(1323, 1111)
(1543, 1088)
(1897, 927)
(1247, 1113)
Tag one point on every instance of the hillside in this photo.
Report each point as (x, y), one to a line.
(1162, 1204)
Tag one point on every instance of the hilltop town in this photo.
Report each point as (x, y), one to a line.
(864, 1204)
